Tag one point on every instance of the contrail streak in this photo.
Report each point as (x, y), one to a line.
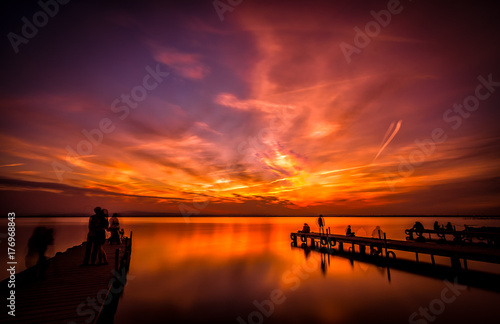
(388, 138)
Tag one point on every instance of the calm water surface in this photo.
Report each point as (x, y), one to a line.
(243, 270)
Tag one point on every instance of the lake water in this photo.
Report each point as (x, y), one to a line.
(244, 270)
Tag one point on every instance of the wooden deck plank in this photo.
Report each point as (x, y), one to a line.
(66, 285)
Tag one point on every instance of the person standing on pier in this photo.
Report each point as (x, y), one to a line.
(321, 223)
(37, 246)
(449, 227)
(100, 237)
(89, 246)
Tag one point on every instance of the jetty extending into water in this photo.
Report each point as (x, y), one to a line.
(389, 248)
(68, 293)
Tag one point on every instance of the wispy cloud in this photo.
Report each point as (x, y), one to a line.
(186, 65)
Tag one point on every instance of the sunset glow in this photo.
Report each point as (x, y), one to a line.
(260, 113)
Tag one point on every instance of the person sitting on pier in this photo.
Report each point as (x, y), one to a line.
(418, 228)
(348, 231)
(436, 226)
(376, 232)
(306, 228)
(114, 227)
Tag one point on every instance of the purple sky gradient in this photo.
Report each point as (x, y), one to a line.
(260, 113)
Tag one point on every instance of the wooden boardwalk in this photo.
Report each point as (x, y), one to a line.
(70, 293)
(378, 246)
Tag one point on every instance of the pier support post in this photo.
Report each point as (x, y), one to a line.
(385, 244)
(341, 246)
(416, 255)
(455, 262)
(432, 259)
(465, 264)
(117, 258)
(362, 249)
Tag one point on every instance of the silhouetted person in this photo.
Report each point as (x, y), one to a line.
(91, 238)
(37, 246)
(449, 227)
(375, 232)
(418, 228)
(348, 231)
(114, 227)
(436, 226)
(306, 228)
(321, 223)
(100, 237)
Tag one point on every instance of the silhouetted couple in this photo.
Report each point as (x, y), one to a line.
(98, 224)
(448, 227)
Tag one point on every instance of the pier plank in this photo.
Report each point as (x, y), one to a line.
(56, 298)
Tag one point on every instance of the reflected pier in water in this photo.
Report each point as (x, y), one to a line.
(479, 279)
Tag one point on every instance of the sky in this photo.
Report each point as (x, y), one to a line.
(250, 107)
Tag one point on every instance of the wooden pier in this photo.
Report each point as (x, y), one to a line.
(387, 247)
(466, 237)
(69, 293)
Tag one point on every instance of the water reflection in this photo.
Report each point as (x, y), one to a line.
(472, 278)
(222, 269)
(229, 270)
